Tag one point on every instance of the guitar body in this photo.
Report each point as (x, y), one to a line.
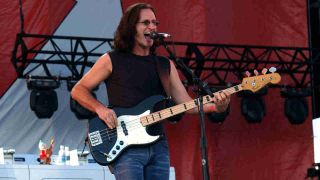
(107, 144)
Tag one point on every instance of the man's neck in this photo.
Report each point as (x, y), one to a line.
(141, 51)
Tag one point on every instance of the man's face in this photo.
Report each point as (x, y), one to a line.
(145, 25)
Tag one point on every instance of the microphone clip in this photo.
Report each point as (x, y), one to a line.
(156, 35)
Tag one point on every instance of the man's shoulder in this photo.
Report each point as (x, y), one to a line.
(163, 58)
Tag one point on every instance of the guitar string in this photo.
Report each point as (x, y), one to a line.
(132, 124)
(231, 90)
(165, 113)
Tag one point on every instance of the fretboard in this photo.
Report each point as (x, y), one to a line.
(180, 108)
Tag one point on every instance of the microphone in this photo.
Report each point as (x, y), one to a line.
(156, 35)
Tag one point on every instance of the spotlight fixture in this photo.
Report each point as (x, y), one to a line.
(80, 112)
(43, 102)
(253, 109)
(295, 105)
(218, 117)
(252, 105)
(43, 98)
(41, 83)
(313, 172)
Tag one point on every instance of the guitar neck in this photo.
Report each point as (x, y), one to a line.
(180, 108)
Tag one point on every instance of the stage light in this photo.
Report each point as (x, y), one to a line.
(295, 105)
(252, 105)
(80, 112)
(253, 109)
(39, 83)
(218, 117)
(296, 110)
(313, 172)
(43, 98)
(43, 102)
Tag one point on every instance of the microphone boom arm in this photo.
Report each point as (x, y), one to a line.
(191, 78)
(201, 87)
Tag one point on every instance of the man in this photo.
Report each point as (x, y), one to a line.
(133, 74)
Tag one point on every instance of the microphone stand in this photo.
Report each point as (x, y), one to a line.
(202, 87)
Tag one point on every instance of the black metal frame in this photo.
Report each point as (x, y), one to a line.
(314, 42)
(219, 64)
(222, 64)
(81, 52)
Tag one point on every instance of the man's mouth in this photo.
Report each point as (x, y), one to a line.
(147, 36)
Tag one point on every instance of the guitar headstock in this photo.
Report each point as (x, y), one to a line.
(257, 82)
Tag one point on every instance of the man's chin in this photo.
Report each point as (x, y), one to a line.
(149, 41)
(149, 44)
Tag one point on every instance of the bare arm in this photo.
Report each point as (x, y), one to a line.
(81, 92)
(180, 95)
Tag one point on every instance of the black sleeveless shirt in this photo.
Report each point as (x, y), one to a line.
(133, 79)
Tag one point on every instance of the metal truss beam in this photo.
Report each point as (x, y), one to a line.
(222, 64)
(72, 54)
(217, 64)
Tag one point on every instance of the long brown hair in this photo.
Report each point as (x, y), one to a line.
(126, 30)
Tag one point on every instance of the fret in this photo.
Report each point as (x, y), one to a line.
(236, 88)
(207, 98)
(177, 109)
(196, 102)
(185, 106)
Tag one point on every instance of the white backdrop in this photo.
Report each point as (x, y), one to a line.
(20, 129)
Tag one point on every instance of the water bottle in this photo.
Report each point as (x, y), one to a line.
(67, 155)
(61, 156)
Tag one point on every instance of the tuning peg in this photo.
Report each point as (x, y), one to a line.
(248, 74)
(256, 72)
(264, 71)
(273, 69)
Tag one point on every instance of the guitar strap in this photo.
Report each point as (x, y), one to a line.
(163, 68)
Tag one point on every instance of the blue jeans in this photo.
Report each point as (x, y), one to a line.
(143, 162)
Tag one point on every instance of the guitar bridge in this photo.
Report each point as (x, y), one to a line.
(95, 138)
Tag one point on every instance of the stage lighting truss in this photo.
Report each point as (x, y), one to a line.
(217, 64)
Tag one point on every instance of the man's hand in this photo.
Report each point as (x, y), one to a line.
(221, 100)
(108, 116)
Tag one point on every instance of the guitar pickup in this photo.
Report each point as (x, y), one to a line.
(124, 128)
(95, 138)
